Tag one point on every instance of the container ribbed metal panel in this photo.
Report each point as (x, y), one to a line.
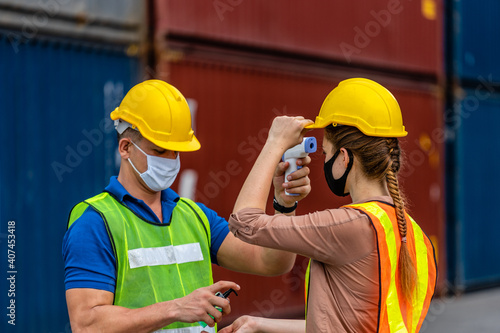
(118, 21)
(476, 45)
(392, 35)
(57, 149)
(473, 183)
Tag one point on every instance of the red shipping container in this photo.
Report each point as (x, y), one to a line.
(234, 101)
(390, 34)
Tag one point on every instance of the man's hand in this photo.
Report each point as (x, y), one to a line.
(298, 182)
(200, 304)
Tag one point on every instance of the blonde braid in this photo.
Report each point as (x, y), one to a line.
(407, 271)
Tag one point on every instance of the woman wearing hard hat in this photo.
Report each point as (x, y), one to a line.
(372, 269)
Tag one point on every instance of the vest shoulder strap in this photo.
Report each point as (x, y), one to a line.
(202, 218)
(80, 208)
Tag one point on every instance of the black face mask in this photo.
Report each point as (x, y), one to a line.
(337, 186)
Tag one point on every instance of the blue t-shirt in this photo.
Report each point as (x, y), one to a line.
(87, 252)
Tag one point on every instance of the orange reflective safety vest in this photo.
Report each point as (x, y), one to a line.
(394, 314)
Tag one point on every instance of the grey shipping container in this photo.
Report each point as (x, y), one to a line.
(117, 21)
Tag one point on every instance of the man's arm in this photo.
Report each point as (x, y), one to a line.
(92, 310)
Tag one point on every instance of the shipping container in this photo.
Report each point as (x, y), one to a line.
(234, 98)
(107, 21)
(395, 35)
(475, 41)
(58, 147)
(474, 249)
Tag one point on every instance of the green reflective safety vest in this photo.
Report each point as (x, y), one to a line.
(155, 262)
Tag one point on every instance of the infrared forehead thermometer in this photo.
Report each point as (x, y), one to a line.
(301, 150)
(222, 295)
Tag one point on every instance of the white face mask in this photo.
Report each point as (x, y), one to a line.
(161, 171)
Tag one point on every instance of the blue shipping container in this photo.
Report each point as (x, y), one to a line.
(58, 148)
(476, 43)
(473, 183)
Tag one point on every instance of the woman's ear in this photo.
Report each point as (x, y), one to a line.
(345, 157)
(123, 148)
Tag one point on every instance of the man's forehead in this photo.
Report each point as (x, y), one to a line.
(151, 145)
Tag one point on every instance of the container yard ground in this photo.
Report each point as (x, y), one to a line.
(469, 313)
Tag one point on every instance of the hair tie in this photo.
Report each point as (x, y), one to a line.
(403, 239)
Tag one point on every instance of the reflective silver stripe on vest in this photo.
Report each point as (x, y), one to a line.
(166, 255)
(195, 329)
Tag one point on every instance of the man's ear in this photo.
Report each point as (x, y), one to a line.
(123, 147)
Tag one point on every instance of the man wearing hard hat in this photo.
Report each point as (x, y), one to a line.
(137, 256)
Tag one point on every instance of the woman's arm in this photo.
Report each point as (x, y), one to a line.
(248, 324)
(285, 132)
(239, 256)
(332, 236)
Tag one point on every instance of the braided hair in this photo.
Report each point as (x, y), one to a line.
(380, 159)
(407, 271)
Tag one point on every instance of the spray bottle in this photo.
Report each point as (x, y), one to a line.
(223, 295)
(301, 150)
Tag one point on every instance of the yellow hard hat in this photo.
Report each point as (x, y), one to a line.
(364, 104)
(160, 113)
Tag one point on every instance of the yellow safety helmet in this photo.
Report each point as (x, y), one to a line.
(160, 113)
(364, 104)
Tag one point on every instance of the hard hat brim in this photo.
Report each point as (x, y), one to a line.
(315, 125)
(319, 123)
(376, 133)
(185, 146)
